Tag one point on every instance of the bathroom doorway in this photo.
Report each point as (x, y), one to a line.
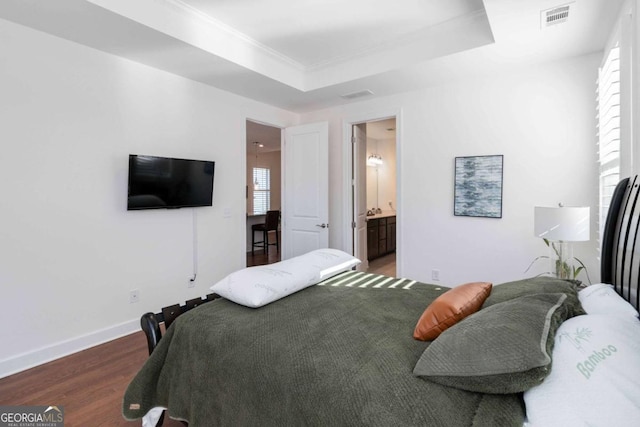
(374, 195)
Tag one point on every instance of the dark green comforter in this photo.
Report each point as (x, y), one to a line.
(325, 356)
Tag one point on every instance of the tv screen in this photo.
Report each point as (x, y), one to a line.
(167, 183)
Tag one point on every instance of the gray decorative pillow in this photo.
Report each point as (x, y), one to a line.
(538, 285)
(505, 348)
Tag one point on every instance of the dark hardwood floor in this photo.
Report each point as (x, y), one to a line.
(90, 384)
(260, 258)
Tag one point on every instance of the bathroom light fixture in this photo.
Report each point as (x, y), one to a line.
(374, 160)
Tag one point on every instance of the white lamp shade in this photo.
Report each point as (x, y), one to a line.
(569, 224)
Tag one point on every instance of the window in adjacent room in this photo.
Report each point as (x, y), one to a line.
(261, 190)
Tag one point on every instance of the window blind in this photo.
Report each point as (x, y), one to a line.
(261, 190)
(608, 134)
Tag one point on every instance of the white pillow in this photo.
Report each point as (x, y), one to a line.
(261, 285)
(594, 375)
(329, 261)
(601, 298)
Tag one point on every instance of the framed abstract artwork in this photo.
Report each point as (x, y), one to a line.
(478, 186)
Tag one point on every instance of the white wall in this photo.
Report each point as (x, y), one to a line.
(69, 251)
(541, 119)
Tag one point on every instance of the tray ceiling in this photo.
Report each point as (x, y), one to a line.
(305, 55)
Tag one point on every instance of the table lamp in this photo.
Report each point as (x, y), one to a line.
(560, 226)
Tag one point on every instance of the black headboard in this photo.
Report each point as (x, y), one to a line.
(620, 257)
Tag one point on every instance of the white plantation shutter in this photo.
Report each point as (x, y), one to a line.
(261, 191)
(608, 101)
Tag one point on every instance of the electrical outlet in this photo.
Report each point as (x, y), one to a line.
(435, 275)
(134, 296)
(191, 283)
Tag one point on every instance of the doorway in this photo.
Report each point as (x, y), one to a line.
(372, 200)
(263, 191)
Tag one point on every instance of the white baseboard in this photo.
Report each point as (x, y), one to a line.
(43, 355)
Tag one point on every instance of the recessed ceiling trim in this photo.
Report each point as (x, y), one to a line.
(422, 36)
(177, 19)
(182, 22)
(209, 20)
(454, 36)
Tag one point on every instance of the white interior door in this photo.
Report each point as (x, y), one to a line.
(305, 210)
(359, 186)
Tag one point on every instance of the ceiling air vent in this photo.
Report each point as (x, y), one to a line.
(358, 94)
(554, 16)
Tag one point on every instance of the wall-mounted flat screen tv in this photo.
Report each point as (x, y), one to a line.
(168, 183)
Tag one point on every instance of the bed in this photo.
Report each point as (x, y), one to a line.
(314, 343)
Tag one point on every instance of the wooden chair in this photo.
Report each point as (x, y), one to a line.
(271, 223)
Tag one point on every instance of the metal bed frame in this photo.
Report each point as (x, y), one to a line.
(620, 257)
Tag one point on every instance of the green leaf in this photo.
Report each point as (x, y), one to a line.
(562, 268)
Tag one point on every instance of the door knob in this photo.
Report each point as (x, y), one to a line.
(323, 225)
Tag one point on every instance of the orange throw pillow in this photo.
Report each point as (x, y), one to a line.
(450, 308)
